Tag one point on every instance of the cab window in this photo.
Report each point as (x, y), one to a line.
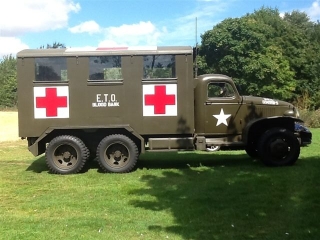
(220, 90)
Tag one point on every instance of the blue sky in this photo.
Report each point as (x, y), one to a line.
(84, 23)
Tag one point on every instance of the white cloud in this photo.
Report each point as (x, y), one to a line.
(86, 27)
(314, 10)
(176, 31)
(142, 33)
(207, 13)
(12, 45)
(179, 31)
(18, 17)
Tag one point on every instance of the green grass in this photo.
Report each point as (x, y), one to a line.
(185, 195)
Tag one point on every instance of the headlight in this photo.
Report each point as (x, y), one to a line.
(289, 113)
(297, 114)
(292, 112)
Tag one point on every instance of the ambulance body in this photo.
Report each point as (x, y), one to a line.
(116, 103)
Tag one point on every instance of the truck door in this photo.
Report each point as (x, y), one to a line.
(222, 109)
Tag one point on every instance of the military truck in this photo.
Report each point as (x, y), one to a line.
(118, 103)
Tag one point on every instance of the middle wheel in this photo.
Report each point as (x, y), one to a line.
(117, 153)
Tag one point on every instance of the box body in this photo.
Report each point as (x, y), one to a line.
(160, 104)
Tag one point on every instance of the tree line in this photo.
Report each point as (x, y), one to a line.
(266, 53)
(8, 81)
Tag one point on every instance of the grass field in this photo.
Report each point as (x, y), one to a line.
(8, 126)
(187, 195)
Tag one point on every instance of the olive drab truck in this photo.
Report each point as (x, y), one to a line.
(117, 103)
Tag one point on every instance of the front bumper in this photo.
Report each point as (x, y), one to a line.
(304, 134)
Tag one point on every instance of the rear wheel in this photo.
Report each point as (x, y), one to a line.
(66, 154)
(117, 153)
(279, 147)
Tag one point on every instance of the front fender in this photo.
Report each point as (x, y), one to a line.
(257, 127)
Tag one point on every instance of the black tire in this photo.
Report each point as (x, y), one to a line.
(117, 154)
(279, 147)
(66, 154)
(252, 151)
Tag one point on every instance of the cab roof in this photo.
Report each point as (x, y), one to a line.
(91, 51)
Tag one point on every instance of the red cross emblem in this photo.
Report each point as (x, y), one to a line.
(49, 100)
(160, 100)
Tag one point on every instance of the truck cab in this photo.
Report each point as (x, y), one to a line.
(223, 118)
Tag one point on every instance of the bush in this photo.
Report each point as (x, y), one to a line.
(311, 118)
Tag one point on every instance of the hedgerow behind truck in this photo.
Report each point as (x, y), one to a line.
(115, 103)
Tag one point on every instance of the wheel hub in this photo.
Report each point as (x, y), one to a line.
(279, 148)
(117, 154)
(66, 155)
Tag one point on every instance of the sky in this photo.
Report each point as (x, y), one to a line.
(108, 23)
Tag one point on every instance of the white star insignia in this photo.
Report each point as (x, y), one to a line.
(222, 118)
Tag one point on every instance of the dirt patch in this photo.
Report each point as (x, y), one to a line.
(8, 126)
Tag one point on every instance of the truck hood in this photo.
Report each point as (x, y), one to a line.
(268, 107)
(265, 101)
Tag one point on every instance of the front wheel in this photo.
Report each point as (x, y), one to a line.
(117, 153)
(66, 154)
(252, 151)
(279, 147)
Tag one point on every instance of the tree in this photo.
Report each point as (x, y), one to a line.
(241, 49)
(8, 81)
(54, 45)
(306, 59)
(265, 54)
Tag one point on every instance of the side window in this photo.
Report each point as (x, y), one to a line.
(105, 68)
(159, 66)
(51, 69)
(220, 90)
